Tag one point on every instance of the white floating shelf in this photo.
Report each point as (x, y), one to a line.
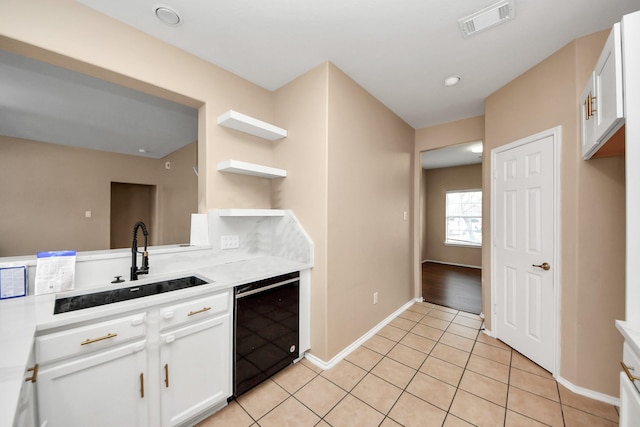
(243, 123)
(250, 212)
(244, 168)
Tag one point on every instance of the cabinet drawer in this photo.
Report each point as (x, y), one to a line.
(195, 310)
(632, 360)
(87, 339)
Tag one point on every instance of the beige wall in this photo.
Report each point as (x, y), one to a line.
(446, 134)
(46, 189)
(369, 180)
(361, 169)
(67, 33)
(592, 212)
(348, 160)
(436, 183)
(179, 196)
(301, 107)
(82, 39)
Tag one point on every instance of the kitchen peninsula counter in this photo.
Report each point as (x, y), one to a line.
(22, 319)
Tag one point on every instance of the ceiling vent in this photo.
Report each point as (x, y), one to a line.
(488, 17)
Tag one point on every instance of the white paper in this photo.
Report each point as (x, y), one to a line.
(55, 271)
(13, 282)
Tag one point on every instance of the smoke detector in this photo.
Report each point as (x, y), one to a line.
(488, 17)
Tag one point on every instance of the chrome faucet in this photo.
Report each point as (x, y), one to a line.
(134, 252)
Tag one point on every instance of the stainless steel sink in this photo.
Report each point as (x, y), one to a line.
(79, 302)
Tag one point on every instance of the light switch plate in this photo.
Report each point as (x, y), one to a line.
(231, 241)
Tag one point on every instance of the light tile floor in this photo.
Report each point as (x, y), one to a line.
(429, 367)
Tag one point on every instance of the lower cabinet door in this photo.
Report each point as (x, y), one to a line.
(195, 364)
(629, 403)
(105, 389)
(26, 411)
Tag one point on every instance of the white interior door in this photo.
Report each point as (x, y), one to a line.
(524, 262)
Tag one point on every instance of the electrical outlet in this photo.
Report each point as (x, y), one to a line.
(231, 241)
(375, 297)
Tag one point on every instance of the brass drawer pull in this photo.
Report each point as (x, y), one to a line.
(627, 371)
(142, 385)
(166, 375)
(202, 310)
(33, 376)
(106, 337)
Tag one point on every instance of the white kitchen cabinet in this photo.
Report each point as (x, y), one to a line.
(104, 389)
(83, 367)
(629, 402)
(163, 367)
(587, 123)
(630, 328)
(26, 410)
(629, 394)
(602, 100)
(196, 369)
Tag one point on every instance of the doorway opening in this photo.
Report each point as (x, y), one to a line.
(451, 226)
(130, 203)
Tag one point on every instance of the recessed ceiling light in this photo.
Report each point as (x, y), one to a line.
(451, 81)
(141, 150)
(168, 15)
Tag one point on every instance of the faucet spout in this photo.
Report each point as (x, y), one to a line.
(134, 252)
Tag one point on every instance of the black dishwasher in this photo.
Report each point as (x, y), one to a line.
(266, 329)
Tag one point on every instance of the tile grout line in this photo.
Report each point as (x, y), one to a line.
(428, 355)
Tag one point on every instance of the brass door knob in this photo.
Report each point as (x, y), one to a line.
(545, 266)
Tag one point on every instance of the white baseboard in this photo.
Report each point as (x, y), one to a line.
(357, 343)
(353, 346)
(615, 401)
(452, 263)
(576, 389)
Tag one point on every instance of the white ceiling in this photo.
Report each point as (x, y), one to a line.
(453, 155)
(399, 51)
(42, 102)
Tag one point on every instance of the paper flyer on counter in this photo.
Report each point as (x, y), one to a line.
(55, 271)
(13, 282)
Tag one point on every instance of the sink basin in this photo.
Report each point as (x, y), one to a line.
(79, 302)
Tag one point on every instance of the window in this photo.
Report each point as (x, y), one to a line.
(464, 218)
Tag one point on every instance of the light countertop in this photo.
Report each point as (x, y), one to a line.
(631, 334)
(21, 319)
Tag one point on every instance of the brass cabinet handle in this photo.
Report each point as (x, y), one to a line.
(588, 106)
(627, 370)
(33, 376)
(166, 375)
(142, 385)
(545, 266)
(90, 341)
(202, 310)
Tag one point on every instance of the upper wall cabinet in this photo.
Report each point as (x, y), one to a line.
(602, 104)
(243, 123)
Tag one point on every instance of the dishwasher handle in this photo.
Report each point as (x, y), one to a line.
(269, 283)
(241, 293)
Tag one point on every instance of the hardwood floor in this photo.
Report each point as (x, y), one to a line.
(451, 286)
